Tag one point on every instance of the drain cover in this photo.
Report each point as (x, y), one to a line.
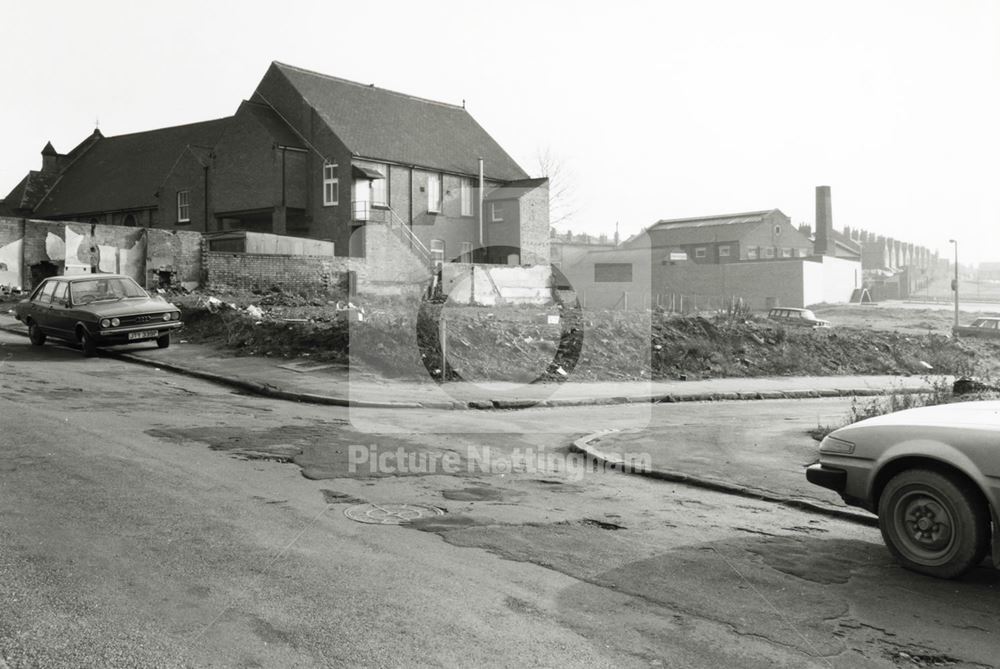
(390, 514)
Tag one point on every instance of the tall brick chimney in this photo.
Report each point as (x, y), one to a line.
(824, 222)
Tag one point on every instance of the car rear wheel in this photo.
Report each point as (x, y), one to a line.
(934, 523)
(88, 344)
(35, 334)
(163, 341)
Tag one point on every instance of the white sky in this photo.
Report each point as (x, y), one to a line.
(658, 109)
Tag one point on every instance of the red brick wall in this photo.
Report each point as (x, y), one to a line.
(188, 174)
(296, 274)
(245, 175)
(534, 226)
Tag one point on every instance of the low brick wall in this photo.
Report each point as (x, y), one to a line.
(294, 274)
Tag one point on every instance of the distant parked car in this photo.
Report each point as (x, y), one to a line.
(96, 310)
(933, 477)
(797, 317)
(988, 327)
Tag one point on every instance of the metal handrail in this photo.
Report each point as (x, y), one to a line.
(396, 222)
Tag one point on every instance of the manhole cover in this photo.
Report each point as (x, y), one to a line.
(391, 514)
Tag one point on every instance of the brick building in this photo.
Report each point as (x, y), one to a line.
(313, 156)
(728, 238)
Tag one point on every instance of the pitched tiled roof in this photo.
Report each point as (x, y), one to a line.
(124, 172)
(273, 124)
(846, 242)
(30, 190)
(381, 124)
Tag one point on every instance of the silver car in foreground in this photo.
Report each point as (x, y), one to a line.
(933, 477)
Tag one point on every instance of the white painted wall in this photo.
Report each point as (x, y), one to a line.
(497, 284)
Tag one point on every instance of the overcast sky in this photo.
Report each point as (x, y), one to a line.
(657, 109)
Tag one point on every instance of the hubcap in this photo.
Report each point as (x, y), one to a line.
(925, 525)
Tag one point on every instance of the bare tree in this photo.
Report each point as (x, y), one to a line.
(562, 192)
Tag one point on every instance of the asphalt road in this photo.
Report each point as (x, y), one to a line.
(153, 520)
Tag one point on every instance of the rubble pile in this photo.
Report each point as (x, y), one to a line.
(526, 344)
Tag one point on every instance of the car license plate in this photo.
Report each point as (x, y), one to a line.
(144, 334)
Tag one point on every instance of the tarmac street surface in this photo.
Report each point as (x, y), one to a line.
(150, 519)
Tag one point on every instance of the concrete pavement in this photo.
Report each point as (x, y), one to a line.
(306, 381)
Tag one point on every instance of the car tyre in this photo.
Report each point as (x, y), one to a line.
(88, 344)
(163, 341)
(934, 523)
(35, 334)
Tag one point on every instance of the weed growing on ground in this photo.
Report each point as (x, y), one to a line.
(939, 392)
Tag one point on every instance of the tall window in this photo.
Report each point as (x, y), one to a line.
(183, 206)
(466, 252)
(752, 253)
(466, 197)
(331, 185)
(380, 188)
(496, 212)
(437, 253)
(434, 193)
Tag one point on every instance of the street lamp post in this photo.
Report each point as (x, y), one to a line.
(954, 283)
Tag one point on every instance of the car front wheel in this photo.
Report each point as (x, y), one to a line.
(88, 344)
(933, 523)
(35, 334)
(163, 341)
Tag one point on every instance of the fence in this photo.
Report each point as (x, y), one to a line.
(673, 303)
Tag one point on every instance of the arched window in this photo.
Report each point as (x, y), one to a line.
(129, 221)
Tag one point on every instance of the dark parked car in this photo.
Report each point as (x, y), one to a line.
(987, 327)
(933, 477)
(798, 317)
(96, 310)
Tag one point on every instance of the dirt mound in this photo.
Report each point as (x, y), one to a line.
(525, 344)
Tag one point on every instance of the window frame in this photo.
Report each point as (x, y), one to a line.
(494, 208)
(45, 292)
(753, 253)
(434, 193)
(384, 188)
(769, 252)
(184, 206)
(700, 252)
(613, 272)
(437, 249)
(60, 295)
(725, 251)
(466, 207)
(331, 184)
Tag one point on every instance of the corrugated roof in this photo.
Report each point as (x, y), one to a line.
(124, 172)
(720, 228)
(721, 219)
(385, 125)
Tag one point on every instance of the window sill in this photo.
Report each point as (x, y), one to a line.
(331, 204)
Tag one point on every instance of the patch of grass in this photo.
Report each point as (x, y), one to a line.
(940, 392)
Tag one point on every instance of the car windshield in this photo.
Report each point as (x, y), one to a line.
(106, 288)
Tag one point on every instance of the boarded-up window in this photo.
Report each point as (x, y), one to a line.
(612, 272)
